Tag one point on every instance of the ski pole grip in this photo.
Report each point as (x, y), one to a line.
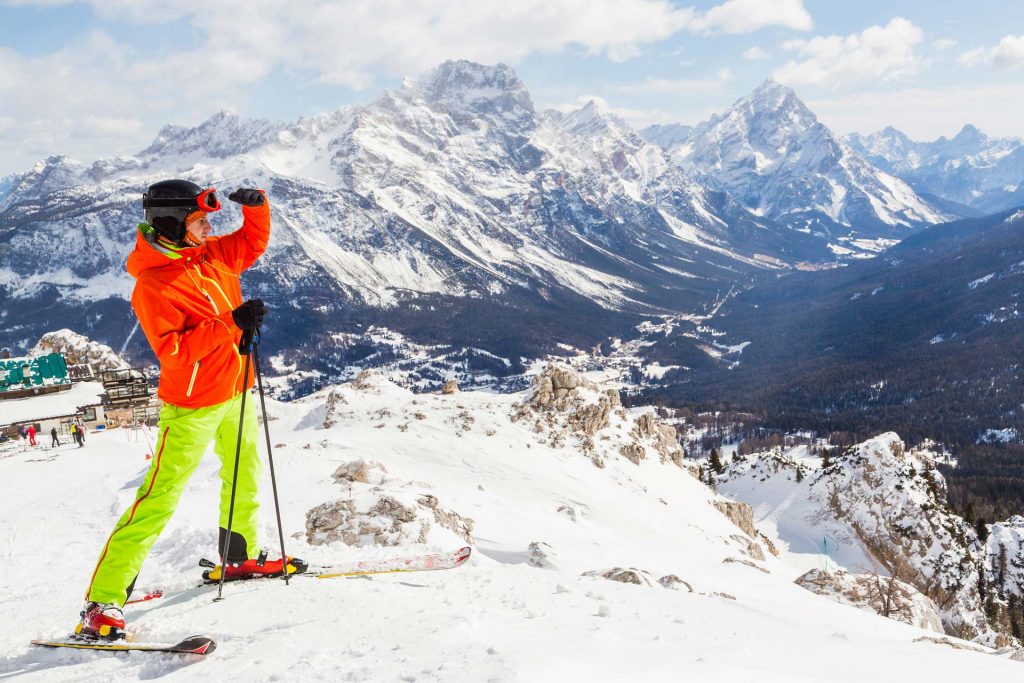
(245, 346)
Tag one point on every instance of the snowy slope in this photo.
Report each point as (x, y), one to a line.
(501, 617)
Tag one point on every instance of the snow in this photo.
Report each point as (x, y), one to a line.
(998, 435)
(974, 284)
(787, 512)
(58, 404)
(497, 618)
(657, 371)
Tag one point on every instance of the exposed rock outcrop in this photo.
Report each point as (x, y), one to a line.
(78, 350)
(382, 511)
(890, 504)
(362, 471)
(742, 515)
(563, 404)
(882, 595)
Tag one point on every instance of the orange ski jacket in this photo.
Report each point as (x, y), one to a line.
(184, 298)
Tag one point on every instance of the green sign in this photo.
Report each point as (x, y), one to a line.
(25, 373)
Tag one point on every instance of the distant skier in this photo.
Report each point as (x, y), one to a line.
(54, 441)
(31, 435)
(80, 433)
(188, 300)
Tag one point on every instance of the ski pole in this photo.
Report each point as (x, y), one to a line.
(244, 348)
(270, 452)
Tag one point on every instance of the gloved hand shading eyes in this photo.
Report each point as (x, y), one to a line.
(248, 197)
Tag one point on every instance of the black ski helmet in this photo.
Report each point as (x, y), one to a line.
(169, 202)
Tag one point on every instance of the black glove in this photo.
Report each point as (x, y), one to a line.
(249, 315)
(248, 197)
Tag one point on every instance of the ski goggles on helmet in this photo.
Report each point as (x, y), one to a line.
(207, 200)
(204, 201)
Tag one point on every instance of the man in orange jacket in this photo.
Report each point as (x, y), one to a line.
(188, 299)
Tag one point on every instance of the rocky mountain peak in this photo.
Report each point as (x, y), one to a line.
(461, 86)
(970, 134)
(222, 135)
(775, 104)
(594, 119)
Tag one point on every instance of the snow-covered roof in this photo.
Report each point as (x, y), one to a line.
(58, 404)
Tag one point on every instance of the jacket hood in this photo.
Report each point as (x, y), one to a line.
(149, 253)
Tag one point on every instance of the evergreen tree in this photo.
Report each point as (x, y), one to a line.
(716, 462)
(982, 529)
(826, 458)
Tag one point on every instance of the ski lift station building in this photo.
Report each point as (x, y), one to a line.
(40, 391)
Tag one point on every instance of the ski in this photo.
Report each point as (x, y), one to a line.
(419, 563)
(193, 645)
(423, 563)
(145, 598)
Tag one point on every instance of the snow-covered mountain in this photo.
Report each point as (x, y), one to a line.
(597, 555)
(970, 168)
(451, 192)
(771, 153)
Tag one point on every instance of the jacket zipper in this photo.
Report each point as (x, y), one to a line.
(207, 293)
(195, 371)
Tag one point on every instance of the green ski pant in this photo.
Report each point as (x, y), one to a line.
(183, 437)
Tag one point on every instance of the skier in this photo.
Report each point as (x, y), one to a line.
(188, 300)
(53, 437)
(31, 435)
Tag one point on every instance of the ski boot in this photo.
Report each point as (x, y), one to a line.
(101, 621)
(256, 568)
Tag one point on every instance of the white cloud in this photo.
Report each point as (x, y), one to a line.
(1008, 53)
(926, 113)
(878, 53)
(943, 44)
(233, 45)
(978, 55)
(755, 53)
(745, 16)
(351, 41)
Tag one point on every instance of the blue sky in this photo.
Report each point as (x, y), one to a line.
(98, 79)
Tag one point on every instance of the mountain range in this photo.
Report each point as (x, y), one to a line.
(454, 212)
(771, 153)
(976, 171)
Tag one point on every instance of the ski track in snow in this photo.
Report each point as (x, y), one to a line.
(497, 618)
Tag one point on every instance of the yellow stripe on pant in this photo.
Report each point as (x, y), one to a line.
(184, 435)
